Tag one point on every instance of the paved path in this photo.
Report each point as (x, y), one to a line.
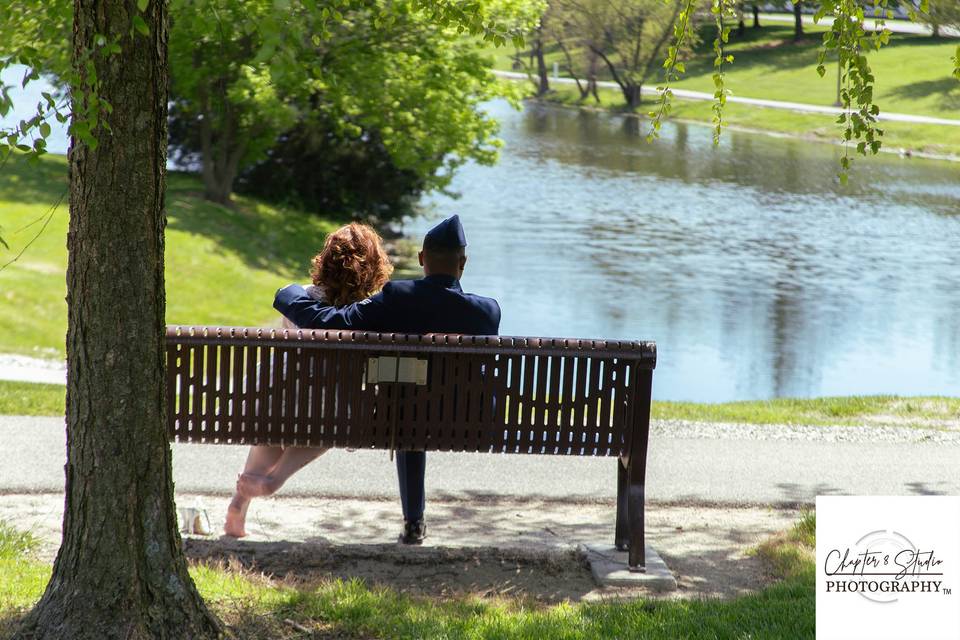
(896, 26)
(26, 369)
(684, 94)
(700, 470)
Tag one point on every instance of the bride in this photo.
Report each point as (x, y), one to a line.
(351, 266)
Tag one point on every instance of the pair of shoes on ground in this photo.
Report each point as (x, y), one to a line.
(414, 531)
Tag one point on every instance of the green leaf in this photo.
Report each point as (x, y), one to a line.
(44, 129)
(141, 26)
(142, 5)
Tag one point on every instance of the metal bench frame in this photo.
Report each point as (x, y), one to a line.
(435, 392)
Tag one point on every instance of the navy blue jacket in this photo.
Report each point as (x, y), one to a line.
(434, 304)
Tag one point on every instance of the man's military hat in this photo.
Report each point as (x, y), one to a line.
(446, 235)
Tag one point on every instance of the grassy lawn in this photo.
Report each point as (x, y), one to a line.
(258, 606)
(223, 264)
(930, 411)
(28, 399)
(913, 75)
(25, 399)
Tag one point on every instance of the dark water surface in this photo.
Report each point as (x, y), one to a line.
(757, 275)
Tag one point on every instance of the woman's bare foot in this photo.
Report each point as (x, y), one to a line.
(235, 525)
(252, 485)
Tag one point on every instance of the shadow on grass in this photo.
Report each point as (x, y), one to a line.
(263, 236)
(352, 609)
(40, 182)
(256, 603)
(947, 90)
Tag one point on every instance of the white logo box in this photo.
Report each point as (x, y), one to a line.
(888, 567)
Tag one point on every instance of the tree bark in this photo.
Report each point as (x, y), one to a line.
(631, 95)
(120, 571)
(543, 77)
(592, 75)
(797, 21)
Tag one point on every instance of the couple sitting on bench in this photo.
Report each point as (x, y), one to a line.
(351, 291)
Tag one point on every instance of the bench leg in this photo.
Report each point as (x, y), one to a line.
(629, 535)
(622, 534)
(637, 560)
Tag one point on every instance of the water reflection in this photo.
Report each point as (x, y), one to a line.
(756, 274)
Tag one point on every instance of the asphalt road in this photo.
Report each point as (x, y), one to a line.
(680, 470)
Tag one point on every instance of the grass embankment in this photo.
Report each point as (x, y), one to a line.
(913, 75)
(258, 606)
(223, 264)
(25, 399)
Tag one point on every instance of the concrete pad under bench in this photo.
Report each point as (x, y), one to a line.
(609, 568)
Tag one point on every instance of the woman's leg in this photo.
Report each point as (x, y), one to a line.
(293, 459)
(260, 461)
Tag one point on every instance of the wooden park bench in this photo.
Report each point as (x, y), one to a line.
(410, 392)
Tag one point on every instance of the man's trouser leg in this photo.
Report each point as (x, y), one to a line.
(411, 466)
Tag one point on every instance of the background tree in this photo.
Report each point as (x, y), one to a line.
(941, 13)
(317, 166)
(797, 20)
(244, 73)
(580, 63)
(386, 73)
(120, 571)
(629, 37)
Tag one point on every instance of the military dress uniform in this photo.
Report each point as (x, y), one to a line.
(433, 304)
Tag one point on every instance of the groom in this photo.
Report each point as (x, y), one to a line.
(432, 304)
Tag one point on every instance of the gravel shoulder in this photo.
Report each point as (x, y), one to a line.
(949, 434)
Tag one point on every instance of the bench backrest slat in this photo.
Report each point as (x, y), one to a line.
(514, 395)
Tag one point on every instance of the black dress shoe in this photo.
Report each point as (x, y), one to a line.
(413, 532)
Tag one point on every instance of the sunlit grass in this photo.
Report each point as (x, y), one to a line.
(257, 607)
(223, 264)
(29, 399)
(792, 554)
(921, 411)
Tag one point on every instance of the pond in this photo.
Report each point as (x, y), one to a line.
(756, 273)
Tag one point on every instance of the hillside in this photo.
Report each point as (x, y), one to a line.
(223, 264)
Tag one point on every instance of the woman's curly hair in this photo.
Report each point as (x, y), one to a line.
(352, 265)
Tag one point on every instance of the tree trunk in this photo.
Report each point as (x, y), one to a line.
(543, 78)
(631, 95)
(741, 26)
(592, 75)
(218, 180)
(756, 17)
(797, 21)
(120, 571)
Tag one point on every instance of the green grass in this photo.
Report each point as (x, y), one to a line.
(918, 411)
(28, 399)
(223, 264)
(792, 554)
(913, 75)
(256, 606)
(22, 578)
(15, 544)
